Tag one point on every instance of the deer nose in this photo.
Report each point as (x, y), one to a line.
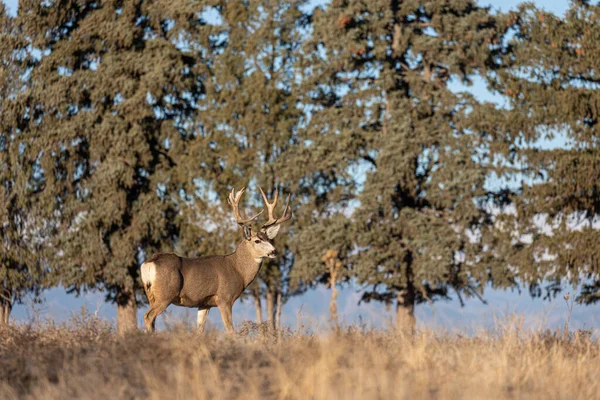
(273, 254)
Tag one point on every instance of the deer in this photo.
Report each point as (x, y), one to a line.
(214, 280)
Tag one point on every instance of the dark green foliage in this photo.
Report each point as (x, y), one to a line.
(552, 85)
(23, 234)
(251, 113)
(112, 100)
(125, 123)
(385, 105)
(313, 242)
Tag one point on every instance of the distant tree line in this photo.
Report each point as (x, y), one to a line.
(125, 123)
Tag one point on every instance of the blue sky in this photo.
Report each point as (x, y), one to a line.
(312, 307)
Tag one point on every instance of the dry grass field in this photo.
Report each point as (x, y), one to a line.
(85, 359)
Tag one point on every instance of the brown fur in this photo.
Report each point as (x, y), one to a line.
(205, 282)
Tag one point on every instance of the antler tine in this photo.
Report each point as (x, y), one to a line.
(271, 207)
(234, 201)
(287, 208)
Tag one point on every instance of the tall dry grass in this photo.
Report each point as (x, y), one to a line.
(85, 359)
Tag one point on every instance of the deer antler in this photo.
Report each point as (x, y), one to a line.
(271, 206)
(234, 201)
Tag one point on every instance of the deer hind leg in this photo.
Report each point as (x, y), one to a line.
(226, 315)
(202, 316)
(162, 283)
(155, 310)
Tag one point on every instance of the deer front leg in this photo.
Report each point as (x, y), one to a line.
(226, 315)
(202, 316)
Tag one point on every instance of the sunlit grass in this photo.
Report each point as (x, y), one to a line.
(83, 358)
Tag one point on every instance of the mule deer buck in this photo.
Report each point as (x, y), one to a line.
(212, 281)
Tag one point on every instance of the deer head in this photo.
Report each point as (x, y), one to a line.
(260, 241)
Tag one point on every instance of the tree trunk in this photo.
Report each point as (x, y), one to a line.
(271, 307)
(126, 313)
(278, 311)
(333, 315)
(257, 304)
(405, 310)
(334, 265)
(5, 309)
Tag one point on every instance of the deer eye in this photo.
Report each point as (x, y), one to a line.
(257, 241)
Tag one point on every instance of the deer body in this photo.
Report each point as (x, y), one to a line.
(211, 281)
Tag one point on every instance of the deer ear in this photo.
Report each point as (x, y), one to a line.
(272, 231)
(247, 233)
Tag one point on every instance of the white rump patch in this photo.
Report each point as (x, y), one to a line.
(148, 270)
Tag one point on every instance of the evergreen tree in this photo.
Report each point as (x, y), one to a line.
(552, 85)
(424, 209)
(251, 96)
(112, 101)
(22, 234)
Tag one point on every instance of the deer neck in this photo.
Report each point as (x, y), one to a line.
(246, 263)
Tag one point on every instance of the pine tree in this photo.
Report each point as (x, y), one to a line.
(22, 234)
(386, 106)
(251, 108)
(112, 101)
(552, 85)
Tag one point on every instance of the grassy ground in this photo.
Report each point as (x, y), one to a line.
(85, 359)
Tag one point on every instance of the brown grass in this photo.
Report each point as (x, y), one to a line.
(85, 359)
